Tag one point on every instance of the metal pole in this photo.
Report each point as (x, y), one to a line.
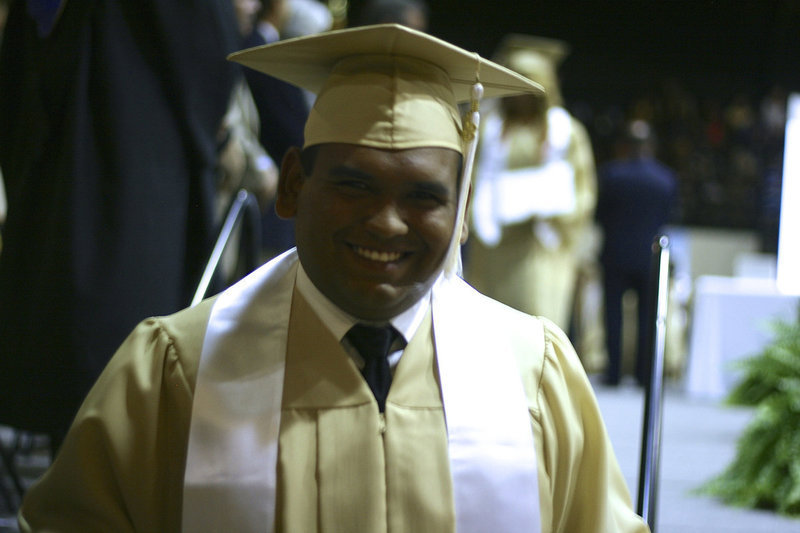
(654, 391)
(234, 213)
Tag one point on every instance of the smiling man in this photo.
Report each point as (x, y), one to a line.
(373, 226)
(355, 384)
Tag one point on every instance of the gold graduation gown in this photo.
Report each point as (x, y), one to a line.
(341, 465)
(396, 468)
(522, 270)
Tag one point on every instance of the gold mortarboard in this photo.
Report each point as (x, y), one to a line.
(534, 57)
(386, 86)
(553, 49)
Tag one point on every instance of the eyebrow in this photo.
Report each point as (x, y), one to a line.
(436, 189)
(350, 172)
(424, 186)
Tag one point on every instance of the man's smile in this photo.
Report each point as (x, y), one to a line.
(377, 255)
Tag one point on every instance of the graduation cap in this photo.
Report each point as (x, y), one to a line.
(386, 86)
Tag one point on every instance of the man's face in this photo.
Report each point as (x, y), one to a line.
(372, 226)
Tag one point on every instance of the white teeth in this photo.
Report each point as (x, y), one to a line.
(374, 255)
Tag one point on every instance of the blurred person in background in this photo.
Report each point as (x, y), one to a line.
(637, 196)
(282, 108)
(108, 145)
(243, 165)
(534, 191)
(243, 160)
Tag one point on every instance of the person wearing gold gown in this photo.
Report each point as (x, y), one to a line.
(535, 190)
(262, 409)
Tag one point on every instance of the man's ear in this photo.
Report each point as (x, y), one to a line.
(290, 182)
(465, 222)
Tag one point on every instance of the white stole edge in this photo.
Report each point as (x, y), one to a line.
(231, 465)
(490, 439)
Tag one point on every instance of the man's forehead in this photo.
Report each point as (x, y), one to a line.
(366, 159)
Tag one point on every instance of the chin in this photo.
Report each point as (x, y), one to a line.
(372, 304)
(383, 302)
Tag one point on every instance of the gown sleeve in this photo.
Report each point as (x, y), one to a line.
(589, 493)
(121, 465)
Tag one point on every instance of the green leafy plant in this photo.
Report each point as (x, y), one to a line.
(765, 472)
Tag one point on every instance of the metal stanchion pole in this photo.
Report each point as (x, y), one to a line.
(232, 219)
(654, 389)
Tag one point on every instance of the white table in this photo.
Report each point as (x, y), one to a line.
(730, 322)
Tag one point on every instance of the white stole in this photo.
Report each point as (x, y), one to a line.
(231, 462)
(231, 468)
(490, 440)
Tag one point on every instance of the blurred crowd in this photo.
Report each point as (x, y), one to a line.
(726, 151)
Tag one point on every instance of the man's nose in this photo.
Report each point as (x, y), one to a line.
(387, 220)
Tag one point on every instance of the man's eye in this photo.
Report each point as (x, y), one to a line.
(353, 185)
(427, 197)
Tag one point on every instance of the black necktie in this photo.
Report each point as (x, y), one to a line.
(373, 343)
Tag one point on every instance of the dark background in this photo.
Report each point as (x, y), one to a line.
(699, 70)
(621, 48)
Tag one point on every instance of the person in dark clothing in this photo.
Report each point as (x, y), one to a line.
(636, 197)
(109, 112)
(282, 111)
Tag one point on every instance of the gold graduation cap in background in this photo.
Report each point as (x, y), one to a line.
(554, 50)
(535, 57)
